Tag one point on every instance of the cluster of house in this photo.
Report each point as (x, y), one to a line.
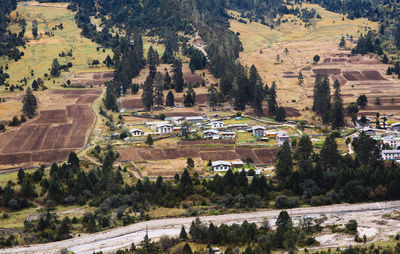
(263, 134)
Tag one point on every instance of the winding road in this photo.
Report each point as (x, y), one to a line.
(366, 214)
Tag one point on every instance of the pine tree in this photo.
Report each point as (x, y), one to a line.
(342, 43)
(329, 153)
(35, 28)
(55, 68)
(304, 149)
(280, 114)
(147, 95)
(254, 80)
(111, 99)
(190, 98)
(322, 104)
(258, 98)
(183, 235)
(284, 163)
(35, 85)
(29, 104)
(167, 81)
(272, 104)
(213, 98)
(159, 90)
(170, 101)
(178, 76)
(149, 140)
(337, 108)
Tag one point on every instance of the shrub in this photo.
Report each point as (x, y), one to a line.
(283, 202)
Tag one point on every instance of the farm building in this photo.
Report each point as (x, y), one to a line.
(282, 137)
(217, 124)
(163, 128)
(395, 126)
(227, 135)
(213, 134)
(258, 131)
(175, 119)
(221, 166)
(136, 132)
(390, 155)
(194, 119)
(391, 141)
(153, 125)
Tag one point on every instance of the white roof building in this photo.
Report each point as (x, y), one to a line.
(391, 155)
(194, 119)
(211, 134)
(163, 128)
(136, 132)
(221, 166)
(227, 134)
(217, 124)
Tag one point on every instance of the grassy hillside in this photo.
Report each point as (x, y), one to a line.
(39, 54)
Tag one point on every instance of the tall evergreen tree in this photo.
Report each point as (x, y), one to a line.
(167, 81)
(35, 85)
(322, 97)
(159, 90)
(284, 162)
(258, 98)
(29, 104)
(147, 95)
(213, 97)
(272, 104)
(55, 68)
(178, 76)
(329, 154)
(170, 101)
(337, 108)
(190, 97)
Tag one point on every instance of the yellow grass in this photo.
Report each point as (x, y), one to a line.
(39, 54)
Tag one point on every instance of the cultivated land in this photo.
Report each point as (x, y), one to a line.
(369, 218)
(262, 45)
(63, 126)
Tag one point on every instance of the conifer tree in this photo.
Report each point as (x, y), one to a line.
(284, 163)
(178, 76)
(167, 81)
(55, 68)
(337, 108)
(272, 104)
(170, 101)
(159, 90)
(29, 104)
(148, 92)
(258, 98)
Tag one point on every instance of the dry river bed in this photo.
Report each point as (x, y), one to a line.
(368, 215)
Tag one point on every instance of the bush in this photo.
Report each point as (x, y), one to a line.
(283, 202)
(351, 226)
(14, 204)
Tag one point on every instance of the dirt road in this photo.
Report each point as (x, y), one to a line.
(368, 215)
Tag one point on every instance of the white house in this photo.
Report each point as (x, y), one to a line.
(163, 128)
(136, 132)
(217, 124)
(391, 141)
(395, 126)
(227, 135)
(194, 119)
(153, 125)
(221, 166)
(282, 137)
(175, 119)
(211, 134)
(258, 131)
(390, 155)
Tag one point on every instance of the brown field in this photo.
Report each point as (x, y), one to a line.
(260, 156)
(63, 125)
(90, 79)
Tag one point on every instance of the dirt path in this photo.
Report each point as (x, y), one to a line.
(368, 215)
